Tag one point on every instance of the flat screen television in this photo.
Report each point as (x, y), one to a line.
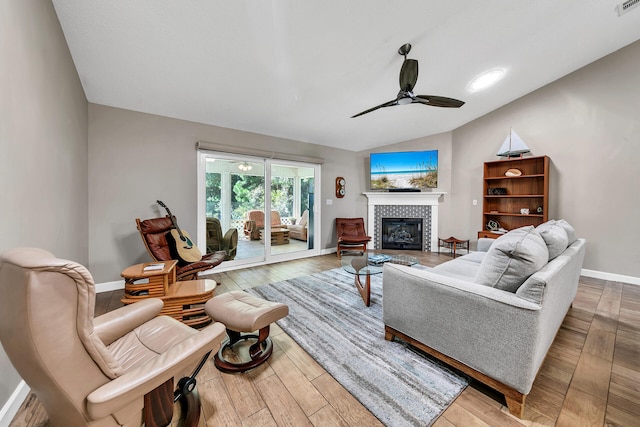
(404, 170)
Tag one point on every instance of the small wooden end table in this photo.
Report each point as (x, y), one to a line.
(279, 236)
(452, 244)
(183, 300)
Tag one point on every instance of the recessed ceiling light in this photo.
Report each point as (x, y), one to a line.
(486, 79)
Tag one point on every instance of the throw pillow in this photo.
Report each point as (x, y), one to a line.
(571, 232)
(304, 219)
(554, 236)
(512, 258)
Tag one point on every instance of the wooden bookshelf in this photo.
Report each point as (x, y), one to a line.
(530, 190)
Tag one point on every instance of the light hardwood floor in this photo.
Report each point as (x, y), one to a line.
(591, 376)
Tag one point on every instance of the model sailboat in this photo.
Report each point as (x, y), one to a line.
(513, 146)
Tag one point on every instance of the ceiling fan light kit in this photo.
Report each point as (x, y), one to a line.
(408, 79)
(244, 166)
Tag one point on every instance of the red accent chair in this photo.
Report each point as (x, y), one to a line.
(351, 235)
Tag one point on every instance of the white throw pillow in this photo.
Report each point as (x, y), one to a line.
(512, 258)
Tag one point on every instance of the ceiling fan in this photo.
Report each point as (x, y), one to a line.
(408, 78)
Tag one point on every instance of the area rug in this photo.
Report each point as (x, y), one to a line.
(399, 385)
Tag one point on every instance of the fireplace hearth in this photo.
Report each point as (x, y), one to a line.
(422, 205)
(402, 233)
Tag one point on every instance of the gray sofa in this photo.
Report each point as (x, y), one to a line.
(494, 313)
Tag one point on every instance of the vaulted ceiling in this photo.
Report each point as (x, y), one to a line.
(300, 69)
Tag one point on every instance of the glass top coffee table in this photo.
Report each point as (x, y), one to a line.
(367, 264)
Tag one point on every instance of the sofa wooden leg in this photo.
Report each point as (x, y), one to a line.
(515, 399)
(515, 403)
(388, 335)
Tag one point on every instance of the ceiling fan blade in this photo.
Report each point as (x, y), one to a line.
(408, 75)
(386, 104)
(438, 101)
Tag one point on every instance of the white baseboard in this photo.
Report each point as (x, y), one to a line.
(328, 251)
(109, 286)
(610, 276)
(10, 409)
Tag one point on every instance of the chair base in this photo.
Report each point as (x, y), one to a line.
(359, 247)
(259, 351)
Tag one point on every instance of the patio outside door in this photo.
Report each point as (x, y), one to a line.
(233, 192)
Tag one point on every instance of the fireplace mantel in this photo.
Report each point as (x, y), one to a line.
(379, 198)
(410, 198)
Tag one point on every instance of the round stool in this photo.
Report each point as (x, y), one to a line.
(241, 312)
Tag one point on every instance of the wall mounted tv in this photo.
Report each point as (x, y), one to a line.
(404, 170)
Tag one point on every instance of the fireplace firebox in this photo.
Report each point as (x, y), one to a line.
(402, 233)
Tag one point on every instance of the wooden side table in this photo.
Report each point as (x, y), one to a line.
(279, 236)
(452, 244)
(183, 300)
(141, 280)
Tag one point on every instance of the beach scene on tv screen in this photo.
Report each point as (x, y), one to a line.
(406, 169)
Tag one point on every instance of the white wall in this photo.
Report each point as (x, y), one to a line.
(43, 142)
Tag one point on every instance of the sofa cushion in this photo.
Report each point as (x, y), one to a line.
(571, 232)
(459, 268)
(512, 258)
(554, 236)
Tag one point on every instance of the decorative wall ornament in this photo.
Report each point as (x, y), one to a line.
(340, 187)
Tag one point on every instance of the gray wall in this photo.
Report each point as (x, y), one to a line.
(43, 142)
(587, 123)
(136, 158)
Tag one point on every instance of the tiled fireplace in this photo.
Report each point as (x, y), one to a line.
(404, 206)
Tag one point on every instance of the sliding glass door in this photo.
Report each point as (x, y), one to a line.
(292, 185)
(235, 193)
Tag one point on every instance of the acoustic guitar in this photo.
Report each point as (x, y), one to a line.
(180, 244)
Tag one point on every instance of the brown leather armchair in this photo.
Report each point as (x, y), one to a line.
(154, 231)
(351, 235)
(116, 369)
(255, 223)
(218, 242)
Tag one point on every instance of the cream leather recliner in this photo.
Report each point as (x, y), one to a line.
(95, 372)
